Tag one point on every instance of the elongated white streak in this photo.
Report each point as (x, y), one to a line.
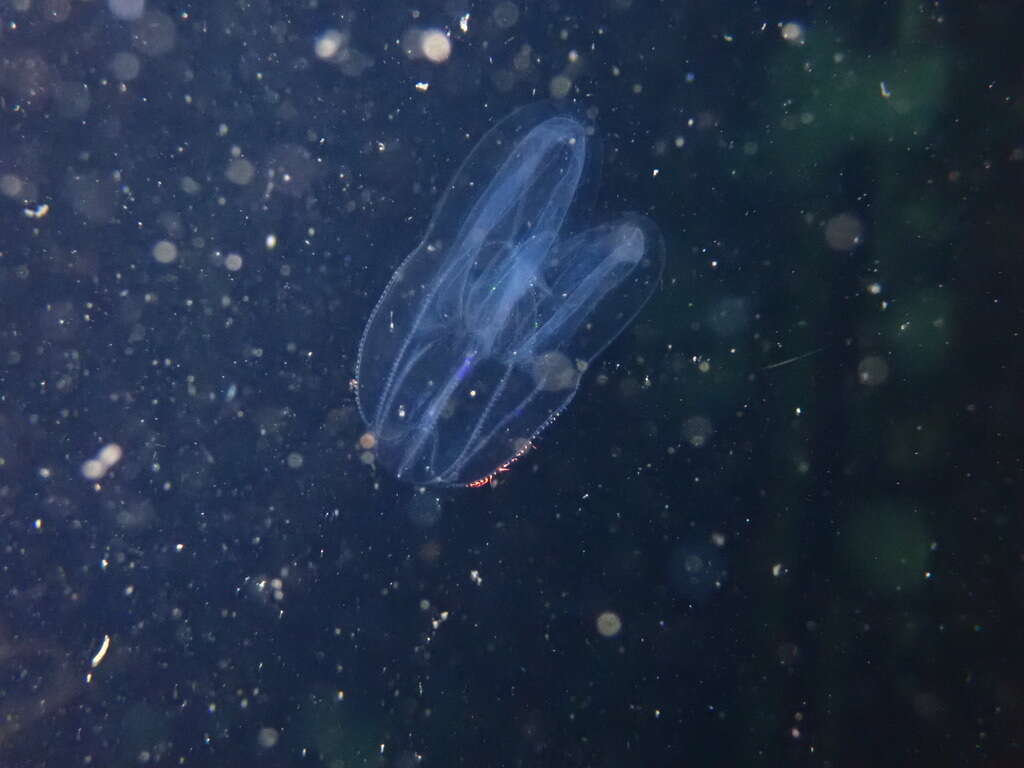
(104, 647)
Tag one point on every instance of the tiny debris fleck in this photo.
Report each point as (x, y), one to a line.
(38, 212)
(98, 658)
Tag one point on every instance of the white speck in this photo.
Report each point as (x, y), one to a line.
(38, 212)
(101, 652)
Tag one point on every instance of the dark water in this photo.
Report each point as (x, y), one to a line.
(778, 526)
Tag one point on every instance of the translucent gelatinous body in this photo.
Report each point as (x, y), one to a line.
(483, 332)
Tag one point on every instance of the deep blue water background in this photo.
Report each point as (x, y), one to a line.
(813, 562)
